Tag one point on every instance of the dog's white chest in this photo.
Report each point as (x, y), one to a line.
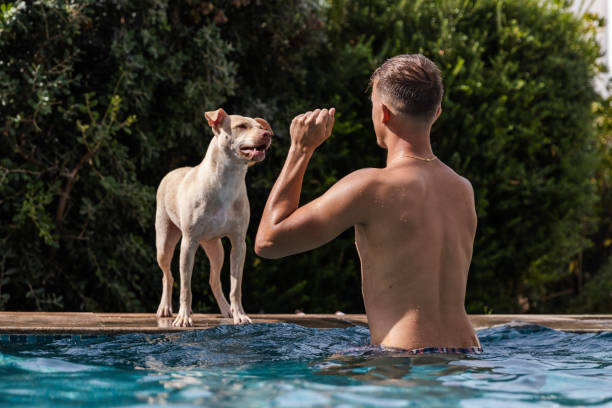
(212, 220)
(209, 222)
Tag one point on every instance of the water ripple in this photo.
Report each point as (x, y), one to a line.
(287, 365)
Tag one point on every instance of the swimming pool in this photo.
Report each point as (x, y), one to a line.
(288, 365)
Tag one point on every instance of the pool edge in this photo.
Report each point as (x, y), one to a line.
(122, 323)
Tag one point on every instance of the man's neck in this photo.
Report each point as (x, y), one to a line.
(408, 144)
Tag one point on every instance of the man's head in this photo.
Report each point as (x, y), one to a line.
(408, 86)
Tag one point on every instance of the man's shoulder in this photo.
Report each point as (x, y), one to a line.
(361, 182)
(456, 177)
(460, 185)
(387, 177)
(364, 176)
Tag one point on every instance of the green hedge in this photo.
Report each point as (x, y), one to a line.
(100, 99)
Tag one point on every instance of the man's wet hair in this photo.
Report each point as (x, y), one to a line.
(411, 83)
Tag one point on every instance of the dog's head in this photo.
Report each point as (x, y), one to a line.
(247, 138)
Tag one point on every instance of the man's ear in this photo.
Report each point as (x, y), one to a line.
(265, 124)
(215, 118)
(437, 114)
(386, 114)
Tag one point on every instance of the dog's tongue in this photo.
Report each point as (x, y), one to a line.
(255, 154)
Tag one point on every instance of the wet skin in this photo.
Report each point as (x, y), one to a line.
(414, 223)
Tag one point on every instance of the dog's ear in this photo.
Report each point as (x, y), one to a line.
(265, 124)
(215, 118)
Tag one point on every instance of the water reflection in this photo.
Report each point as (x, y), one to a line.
(287, 365)
(391, 368)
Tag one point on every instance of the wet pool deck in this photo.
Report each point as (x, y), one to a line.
(119, 323)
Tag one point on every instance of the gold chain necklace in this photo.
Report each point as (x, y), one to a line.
(425, 159)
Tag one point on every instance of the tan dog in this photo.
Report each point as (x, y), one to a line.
(204, 204)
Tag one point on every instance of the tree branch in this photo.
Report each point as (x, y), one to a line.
(65, 194)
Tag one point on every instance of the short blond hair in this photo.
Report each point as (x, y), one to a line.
(412, 82)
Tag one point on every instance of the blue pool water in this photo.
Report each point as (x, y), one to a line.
(286, 365)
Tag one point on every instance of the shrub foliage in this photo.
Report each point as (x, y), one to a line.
(100, 99)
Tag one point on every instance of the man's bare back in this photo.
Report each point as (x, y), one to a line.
(415, 250)
(414, 220)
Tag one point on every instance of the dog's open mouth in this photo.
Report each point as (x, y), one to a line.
(254, 153)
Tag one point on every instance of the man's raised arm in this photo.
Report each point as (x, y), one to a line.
(286, 229)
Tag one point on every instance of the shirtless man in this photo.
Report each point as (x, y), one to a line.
(414, 219)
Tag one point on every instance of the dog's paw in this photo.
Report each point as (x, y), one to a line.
(164, 310)
(182, 320)
(227, 312)
(241, 318)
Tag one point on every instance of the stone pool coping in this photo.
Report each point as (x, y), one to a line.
(120, 323)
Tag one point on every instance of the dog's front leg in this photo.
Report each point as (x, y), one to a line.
(214, 251)
(188, 250)
(236, 266)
